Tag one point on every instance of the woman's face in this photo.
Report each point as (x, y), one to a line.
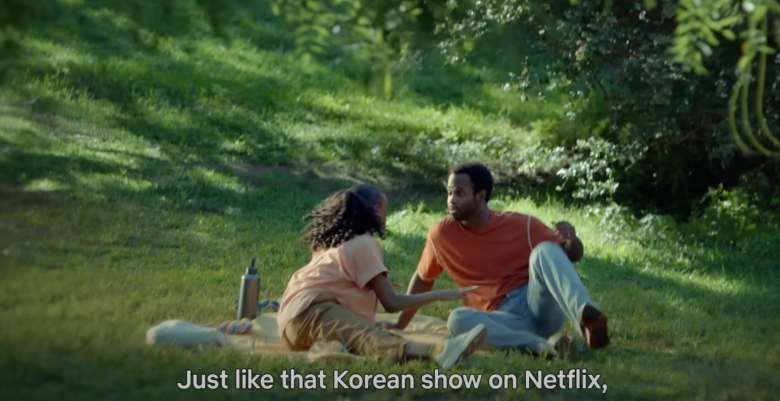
(381, 210)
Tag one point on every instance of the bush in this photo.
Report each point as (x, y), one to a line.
(728, 215)
(613, 59)
(594, 172)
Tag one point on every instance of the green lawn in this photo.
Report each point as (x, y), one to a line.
(144, 161)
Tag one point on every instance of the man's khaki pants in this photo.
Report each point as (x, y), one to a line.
(326, 320)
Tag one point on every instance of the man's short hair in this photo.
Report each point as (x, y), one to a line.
(479, 174)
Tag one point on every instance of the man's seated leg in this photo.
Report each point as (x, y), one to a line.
(504, 329)
(555, 292)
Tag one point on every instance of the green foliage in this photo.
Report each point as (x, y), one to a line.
(699, 24)
(730, 216)
(584, 74)
(376, 32)
(613, 60)
(593, 172)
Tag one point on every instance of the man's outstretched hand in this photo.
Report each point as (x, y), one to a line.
(572, 245)
(566, 230)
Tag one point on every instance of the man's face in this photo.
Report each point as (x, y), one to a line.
(462, 203)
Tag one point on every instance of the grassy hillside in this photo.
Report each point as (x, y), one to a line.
(147, 151)
(168, 78)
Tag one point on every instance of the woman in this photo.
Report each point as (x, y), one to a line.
(334, 297)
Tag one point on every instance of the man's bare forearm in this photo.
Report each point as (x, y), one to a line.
(416, 286)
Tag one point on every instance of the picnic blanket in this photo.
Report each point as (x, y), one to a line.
(264, 336)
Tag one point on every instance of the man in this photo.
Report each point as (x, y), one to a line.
(527, 283)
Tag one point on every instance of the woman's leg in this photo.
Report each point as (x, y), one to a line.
(332, 322)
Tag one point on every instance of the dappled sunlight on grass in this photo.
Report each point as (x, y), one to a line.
(718, 285)
(408, 117)
(99, 185)
(56, 54)
(219, 180)
(518, 106)
(43, 185)
(195, 93)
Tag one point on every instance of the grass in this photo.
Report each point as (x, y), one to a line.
(145, 156)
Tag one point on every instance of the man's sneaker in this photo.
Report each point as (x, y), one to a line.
(594, 327)
(458, 347)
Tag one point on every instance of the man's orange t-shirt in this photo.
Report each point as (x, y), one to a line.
(495, 257)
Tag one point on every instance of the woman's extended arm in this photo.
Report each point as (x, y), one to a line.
(394, 302)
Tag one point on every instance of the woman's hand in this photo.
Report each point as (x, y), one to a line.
(452, 295)
(393, 302)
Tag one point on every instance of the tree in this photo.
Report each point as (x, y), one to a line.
(700, 24)
(376, 31)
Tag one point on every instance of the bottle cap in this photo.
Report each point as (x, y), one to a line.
(252, 269)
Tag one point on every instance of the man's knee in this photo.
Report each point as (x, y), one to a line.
(460, 320)
(546, 250)
(545, 247)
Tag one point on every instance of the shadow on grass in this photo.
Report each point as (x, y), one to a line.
(20, 167)
(210, 103)
(677, 295)
(214, 107)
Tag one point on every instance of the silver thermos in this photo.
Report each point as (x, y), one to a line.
(250, 289)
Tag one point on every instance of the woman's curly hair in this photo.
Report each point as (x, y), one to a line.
(342, 216)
